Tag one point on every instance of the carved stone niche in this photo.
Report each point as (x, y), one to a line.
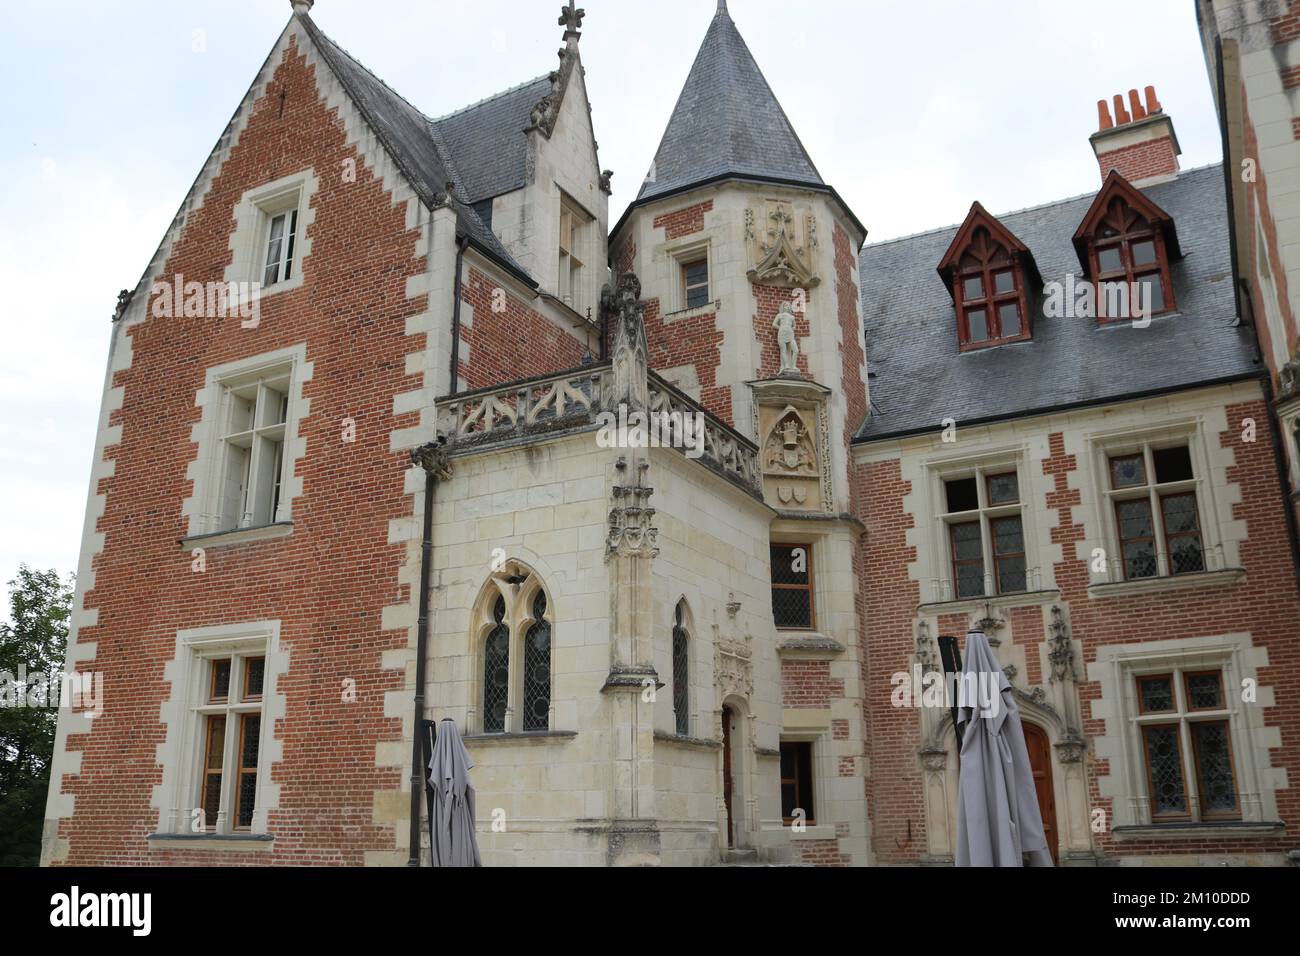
(781, 239)
(794, 441)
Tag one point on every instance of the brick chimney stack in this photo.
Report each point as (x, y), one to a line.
(1138, 141)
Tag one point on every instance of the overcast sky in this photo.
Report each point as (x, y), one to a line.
(910, 110)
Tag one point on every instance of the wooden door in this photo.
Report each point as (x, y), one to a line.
(1040, 761)
(726, 773)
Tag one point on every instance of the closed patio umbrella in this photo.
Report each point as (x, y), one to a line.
(998, 822)
(451, 801)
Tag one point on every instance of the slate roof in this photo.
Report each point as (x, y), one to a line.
(488, 142)
(727, 122)
(415, 142)
(921, 377)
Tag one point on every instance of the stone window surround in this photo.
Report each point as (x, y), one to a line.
(680, 252)
(205, 470)
(936, 560)
(253, 214)
(815, 538)
(518, 619)
(1115, 669)
(1100, 517)
(180, 753)
(824, 770)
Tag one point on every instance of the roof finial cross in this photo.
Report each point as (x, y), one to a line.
(571, 19)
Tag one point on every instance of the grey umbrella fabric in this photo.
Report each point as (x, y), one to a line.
(451, 807)
(998, 821)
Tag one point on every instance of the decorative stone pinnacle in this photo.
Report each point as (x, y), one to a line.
(301, 6)
(571, 19)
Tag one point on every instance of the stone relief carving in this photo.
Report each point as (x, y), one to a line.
(621, 308)
(1060, 652)
(792, 421)
(1289, 376)
(780, 249)
(631, 532)
(733, 661)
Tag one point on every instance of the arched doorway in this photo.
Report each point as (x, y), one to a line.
(1040, 762)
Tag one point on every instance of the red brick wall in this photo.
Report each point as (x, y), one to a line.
(695, 341)
(623, 261)
(329, 579)
(684, 221)
(808, 685)
(1265, 605)
(516, 342)
(1141, 160)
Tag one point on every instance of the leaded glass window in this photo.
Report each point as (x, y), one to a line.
(496, 671)
(1157, 519)
(681, 674)
(792, 586)
(1187, 746)
(986, 534)
(230, 708)
(537, 669)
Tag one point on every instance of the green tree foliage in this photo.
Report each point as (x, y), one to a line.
(34, 641)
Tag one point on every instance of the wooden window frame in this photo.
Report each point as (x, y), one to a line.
(985, 513)
(991, 299)
(282, 264)
(213, 697)
(998, 557)
(1183, 718)
(1166, 817)
(808, 806)
(1154, 491)
(232, 711)
(1128, 272)
(809, 587)
(686, 264)
(240, 771)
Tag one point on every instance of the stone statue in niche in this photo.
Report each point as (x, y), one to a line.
(785, 339)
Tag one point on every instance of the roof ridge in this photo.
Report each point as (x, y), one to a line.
(1015, 212)
(373, 75)
(488, 99)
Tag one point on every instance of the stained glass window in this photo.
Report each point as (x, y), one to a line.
(496, 671)
(537, 669)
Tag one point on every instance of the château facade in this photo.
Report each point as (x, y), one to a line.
(666, 513)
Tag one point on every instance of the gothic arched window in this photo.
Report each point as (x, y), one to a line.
(496, 671)
(681, 672)
(514, 628)
(537, 668)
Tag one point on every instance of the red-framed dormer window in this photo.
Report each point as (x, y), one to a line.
(987, 270)
(990, 295)
(1126, 244)
(1128, 249)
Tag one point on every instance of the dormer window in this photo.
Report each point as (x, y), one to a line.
(986, 268)
(1125, 244)
(1127, 249)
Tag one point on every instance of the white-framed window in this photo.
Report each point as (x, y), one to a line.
(282, 230)
(983, 530)
(220, 720)
(249, 443)
(1152, 494)
(253, 420)
(692, 264)
(575, 252)
(272, 236)
(799, 780)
